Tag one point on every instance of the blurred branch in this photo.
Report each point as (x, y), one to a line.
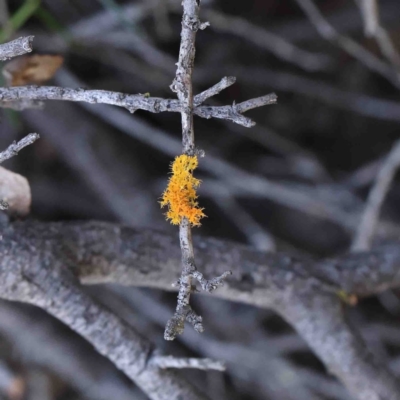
(275, 44)
(373, 28)
(370, 218)
(164, 362)
(328, 32)
(64, 354)
(240, 181)
(47, 283)
(16, 48)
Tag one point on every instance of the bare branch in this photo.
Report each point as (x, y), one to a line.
(275, 44)
(16, 48)
(13, 149)
(66, 355)
(51, 286)
(21, 97)
(327, 31)
(214, 90)
(234, 113)
(370, 218)
(164, 362)
(373, 28)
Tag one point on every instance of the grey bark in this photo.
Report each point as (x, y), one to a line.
(15, 48)
(47, 281)
(37, 259)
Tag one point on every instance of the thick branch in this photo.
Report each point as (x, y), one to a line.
(302, 291)
(44, 280)
(15, 48)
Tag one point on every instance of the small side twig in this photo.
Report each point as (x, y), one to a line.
(214, 90)
(13, 149)
(204, 364)
(15, 48)
(370, 218)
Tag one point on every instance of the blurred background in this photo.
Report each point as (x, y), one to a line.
(296, 182)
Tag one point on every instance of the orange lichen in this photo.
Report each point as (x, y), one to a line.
(180, 194)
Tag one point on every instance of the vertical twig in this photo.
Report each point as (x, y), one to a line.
(370, 218)
(182, 86)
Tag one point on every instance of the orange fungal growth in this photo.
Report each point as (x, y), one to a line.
(180, 194)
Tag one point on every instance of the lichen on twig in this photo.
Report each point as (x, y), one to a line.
(182, 86)
(180, 195)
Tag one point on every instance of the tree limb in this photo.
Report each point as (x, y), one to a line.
(47, 282)
(13, 149)
(33, 269)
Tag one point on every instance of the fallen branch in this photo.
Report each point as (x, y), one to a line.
(305, 293)
(54, 288)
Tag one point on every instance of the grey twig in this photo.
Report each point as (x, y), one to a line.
(370, 218)
(21, 97)
(214, 90)
(373, 28)
(165, 362)
(54, 288)
(182, 86)
(13, 149)
(327, 31)
(16, 48)
(234, 113)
